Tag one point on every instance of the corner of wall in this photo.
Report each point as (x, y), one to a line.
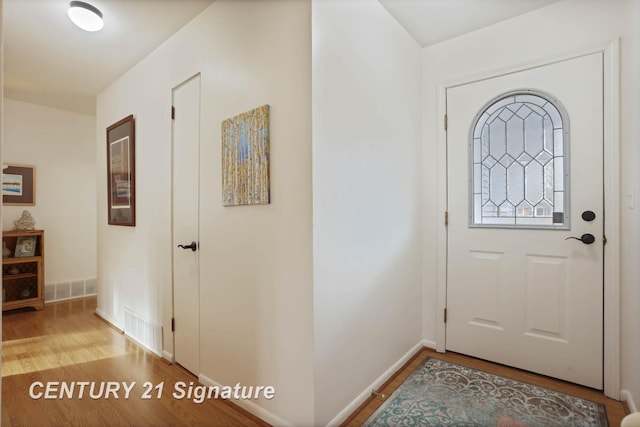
(366, 199)
(627, 397)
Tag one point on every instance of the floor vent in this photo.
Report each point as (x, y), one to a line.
(146, 333)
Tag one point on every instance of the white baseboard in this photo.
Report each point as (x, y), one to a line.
(70, 298)
(108, 319)
(627, 397)
(143, 345)
(362, 397)
(168, 356)
(429, 344)
(249, 406)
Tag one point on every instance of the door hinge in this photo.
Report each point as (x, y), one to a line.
(173, 324)
(446, 218)
(604, 240)
(445, 315)
(446, 122)
(173, 112)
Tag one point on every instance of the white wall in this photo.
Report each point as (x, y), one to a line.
(630, 221)
(61, 145)
(556, 29)
(366, 181)
(1, 129)
(265, 324)
(256, 262)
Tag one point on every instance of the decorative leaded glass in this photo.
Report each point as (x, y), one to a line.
(519, 152)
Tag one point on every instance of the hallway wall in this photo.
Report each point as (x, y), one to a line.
(630, 193)
(256, 312)
(366, 200)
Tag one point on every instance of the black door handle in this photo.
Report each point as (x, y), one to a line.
(587, 238)
(193, 246)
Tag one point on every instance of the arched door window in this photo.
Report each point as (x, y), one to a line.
(519, 162)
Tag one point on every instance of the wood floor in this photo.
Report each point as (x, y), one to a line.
(615, 410)
(66, 342)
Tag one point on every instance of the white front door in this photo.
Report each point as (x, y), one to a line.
(186, 160)
(522, 180)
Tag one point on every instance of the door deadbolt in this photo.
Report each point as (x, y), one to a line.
(588, 216)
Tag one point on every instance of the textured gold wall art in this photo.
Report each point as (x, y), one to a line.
(245, 158)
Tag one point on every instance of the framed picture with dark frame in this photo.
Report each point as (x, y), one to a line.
(121, 176)
(18, 185)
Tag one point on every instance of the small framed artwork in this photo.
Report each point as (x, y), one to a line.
(25, 246)
(121, 176)
(18, 185)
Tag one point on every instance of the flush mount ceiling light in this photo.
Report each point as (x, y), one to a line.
(85, 16)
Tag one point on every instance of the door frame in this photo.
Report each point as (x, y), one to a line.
(611, 120)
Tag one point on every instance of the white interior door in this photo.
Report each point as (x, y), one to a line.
(186, 160)
(518, 292)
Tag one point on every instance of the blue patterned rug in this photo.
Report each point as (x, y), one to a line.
(440, 393)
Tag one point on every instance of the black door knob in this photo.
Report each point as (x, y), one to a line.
(587, 238)
(193, 246)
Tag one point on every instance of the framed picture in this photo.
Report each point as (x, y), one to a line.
(121, 176)
(25, 246)
(245, 158)
(18, 185)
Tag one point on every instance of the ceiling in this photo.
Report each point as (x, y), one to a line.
(433, 21)
(49, 61)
